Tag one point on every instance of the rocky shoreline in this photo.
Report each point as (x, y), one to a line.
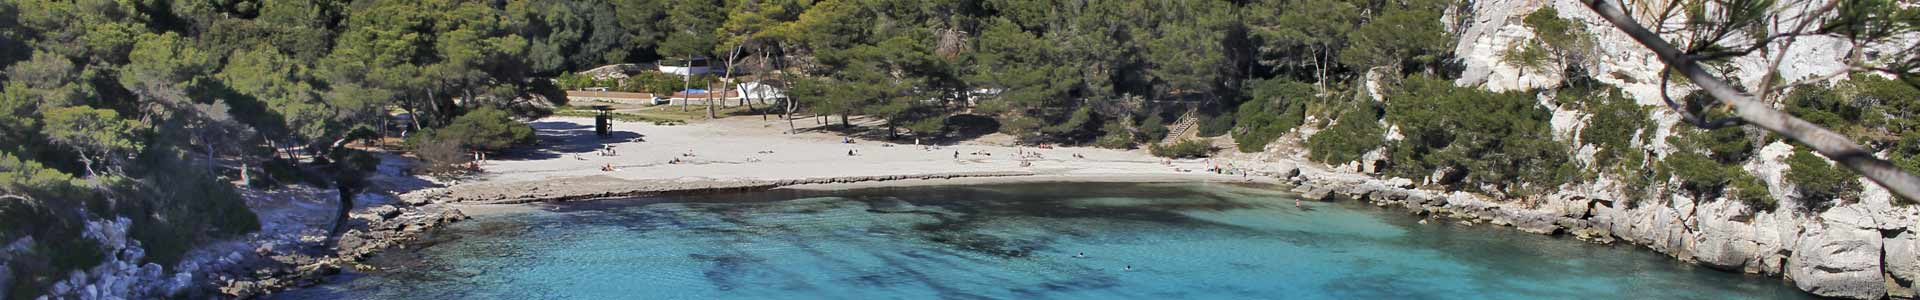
(375, 229)
(1858, 251)
(1861, 250)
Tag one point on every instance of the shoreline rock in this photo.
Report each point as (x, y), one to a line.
(384, 227)
(1863, 250)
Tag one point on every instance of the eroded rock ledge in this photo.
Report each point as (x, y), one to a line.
(299, 265)
(1863, 250)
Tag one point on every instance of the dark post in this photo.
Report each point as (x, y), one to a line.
(603, 121)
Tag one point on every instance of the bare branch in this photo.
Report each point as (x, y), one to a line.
(1832, 145)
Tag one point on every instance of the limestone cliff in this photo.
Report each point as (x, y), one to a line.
(1861, 250)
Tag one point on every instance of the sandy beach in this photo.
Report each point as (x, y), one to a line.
(742, 149)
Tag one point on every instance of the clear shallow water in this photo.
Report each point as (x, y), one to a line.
(1194, 241)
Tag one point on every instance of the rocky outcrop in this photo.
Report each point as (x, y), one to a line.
(1839, 256)
(603, 187)
(1902, 252)
(1862, 250)
(296, 265)
(123, 275)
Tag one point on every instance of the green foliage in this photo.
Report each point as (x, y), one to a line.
(1182, 149)
(1561, 34)
(1402, 34)
(1153, 128)
(1698, 173)
(1616, 120)
(1213, 126)
(1825, 107)
(1117, 136)
(1725, 145)
(1354, 134)
(1527, 55)
(484, 129)
(1506, 142)
(1278, 106)
(1748, 188)
(1893, 106)
(1818, 182)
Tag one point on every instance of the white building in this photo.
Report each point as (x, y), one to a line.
(698, 66)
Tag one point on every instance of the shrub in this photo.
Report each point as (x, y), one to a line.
(1818, 181)
(1528, 55)
(1502, 140)
(441, 156)
(1214, 126)
(1182, 149)
(1703, 177)
(1116, 137)
(1749, 189)
(1616, 119)
(1278, 105)
(1561, 34)
(485, 129)
(1153, 128)
(1356, 132)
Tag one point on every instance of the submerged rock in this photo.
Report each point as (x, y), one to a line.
(1839, 256)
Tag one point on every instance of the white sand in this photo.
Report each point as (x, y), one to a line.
(730, 148)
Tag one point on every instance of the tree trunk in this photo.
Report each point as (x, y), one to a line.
(340, 216)
(709, 99)
(432, 106)
(1830, 144)
(686, 82)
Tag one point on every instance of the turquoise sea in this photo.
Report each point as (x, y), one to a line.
(1014, 241)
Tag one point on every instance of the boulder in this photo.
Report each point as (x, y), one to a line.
(1903, 257)
(1286, 170)
(1723, 243)
(1318, 194)
(1839, 256)
(1398, 182)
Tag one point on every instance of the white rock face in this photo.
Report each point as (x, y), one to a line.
(1770, 165)
(1903, 257)
(122, 275)
(1839, 256)
(1484, 43)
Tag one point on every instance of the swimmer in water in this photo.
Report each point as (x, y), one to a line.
(1081, 255)
(1129, 268)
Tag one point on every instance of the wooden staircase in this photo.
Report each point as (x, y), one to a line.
(1179, 130)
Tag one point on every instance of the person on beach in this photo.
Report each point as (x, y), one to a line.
(956, 154)
(849, 152)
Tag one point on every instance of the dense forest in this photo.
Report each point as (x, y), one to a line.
(152, 110)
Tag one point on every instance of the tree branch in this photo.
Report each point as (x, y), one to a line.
(1833, 145)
